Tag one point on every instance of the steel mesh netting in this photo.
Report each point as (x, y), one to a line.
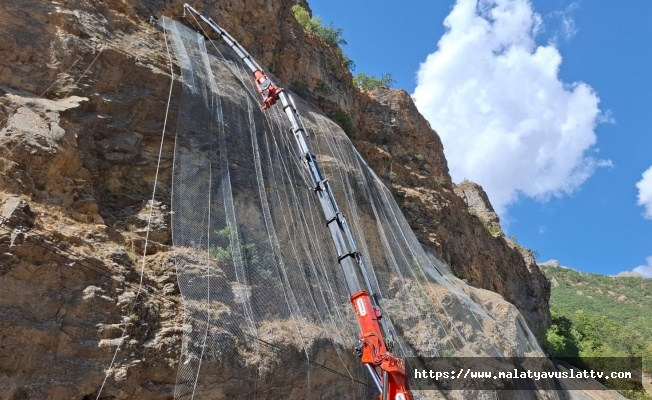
(265, 299)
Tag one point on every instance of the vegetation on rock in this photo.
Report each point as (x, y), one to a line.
(344, 120)
(330, 34)
(371, 82)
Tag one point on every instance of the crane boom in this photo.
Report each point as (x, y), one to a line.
(387, 371)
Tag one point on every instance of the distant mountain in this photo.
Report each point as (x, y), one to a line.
(630, 274)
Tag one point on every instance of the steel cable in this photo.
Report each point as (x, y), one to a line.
(149, 217)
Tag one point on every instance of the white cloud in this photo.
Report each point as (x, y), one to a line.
(607, 117)
(566, 24)
(645, 193)
(645, 270)
(506, 119)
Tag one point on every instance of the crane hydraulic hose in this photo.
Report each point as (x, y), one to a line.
(387, 371)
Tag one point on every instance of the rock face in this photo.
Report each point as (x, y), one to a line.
(533, 292)
(84, 87)
(477, 201)
(456, 220)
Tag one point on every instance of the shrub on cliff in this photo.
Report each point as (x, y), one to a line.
(330, 34)
(371, 82)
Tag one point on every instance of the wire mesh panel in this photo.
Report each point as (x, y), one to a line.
(267, 309)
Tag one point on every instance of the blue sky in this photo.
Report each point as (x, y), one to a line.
(556, 94)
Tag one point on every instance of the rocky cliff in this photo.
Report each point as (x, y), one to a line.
(84, 89)
(455, 220)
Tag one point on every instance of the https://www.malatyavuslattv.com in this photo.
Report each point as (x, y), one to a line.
(538, 373)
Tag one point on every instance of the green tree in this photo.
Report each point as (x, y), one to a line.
(344, 120)
(371, 82)
(562, 339)
(330, 34)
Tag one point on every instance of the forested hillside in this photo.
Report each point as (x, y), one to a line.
(599, 316)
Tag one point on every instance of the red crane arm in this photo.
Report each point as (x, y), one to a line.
(387, 371)
(374, 351)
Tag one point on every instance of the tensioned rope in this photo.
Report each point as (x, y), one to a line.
(275, 113)
(58, 251)
(51, 247)
(347, 376)
(235, 71)
(68, 70)
(217, 107)
(52, 85)
(85, 72)
(149, 219)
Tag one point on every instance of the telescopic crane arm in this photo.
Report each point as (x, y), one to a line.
(387, 371)
(267, 89)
